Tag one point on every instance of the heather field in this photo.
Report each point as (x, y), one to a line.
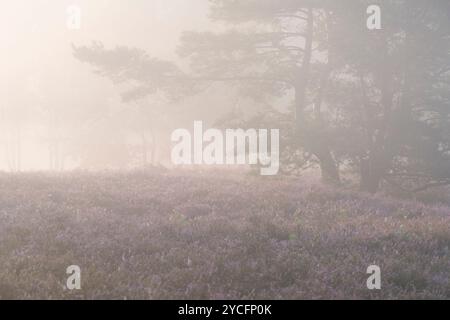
(180, 235)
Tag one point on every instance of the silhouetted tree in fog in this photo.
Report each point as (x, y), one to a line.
(391, 87)
(372, 101)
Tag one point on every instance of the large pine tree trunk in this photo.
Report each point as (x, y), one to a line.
(328, 167)
(371, 175)
(380, 146)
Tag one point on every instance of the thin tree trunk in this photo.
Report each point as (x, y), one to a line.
(153, 150)
(19, 148)
(144, 150)
(303, 78)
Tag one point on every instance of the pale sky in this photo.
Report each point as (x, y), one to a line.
(36, 55)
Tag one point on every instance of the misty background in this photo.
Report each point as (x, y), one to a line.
(55, 112)
(351, 102)
(364, 120)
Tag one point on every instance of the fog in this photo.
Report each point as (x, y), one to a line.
(46, 94)
(224, 150)
(106, 89)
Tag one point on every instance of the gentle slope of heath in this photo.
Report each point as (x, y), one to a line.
(212, 236)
